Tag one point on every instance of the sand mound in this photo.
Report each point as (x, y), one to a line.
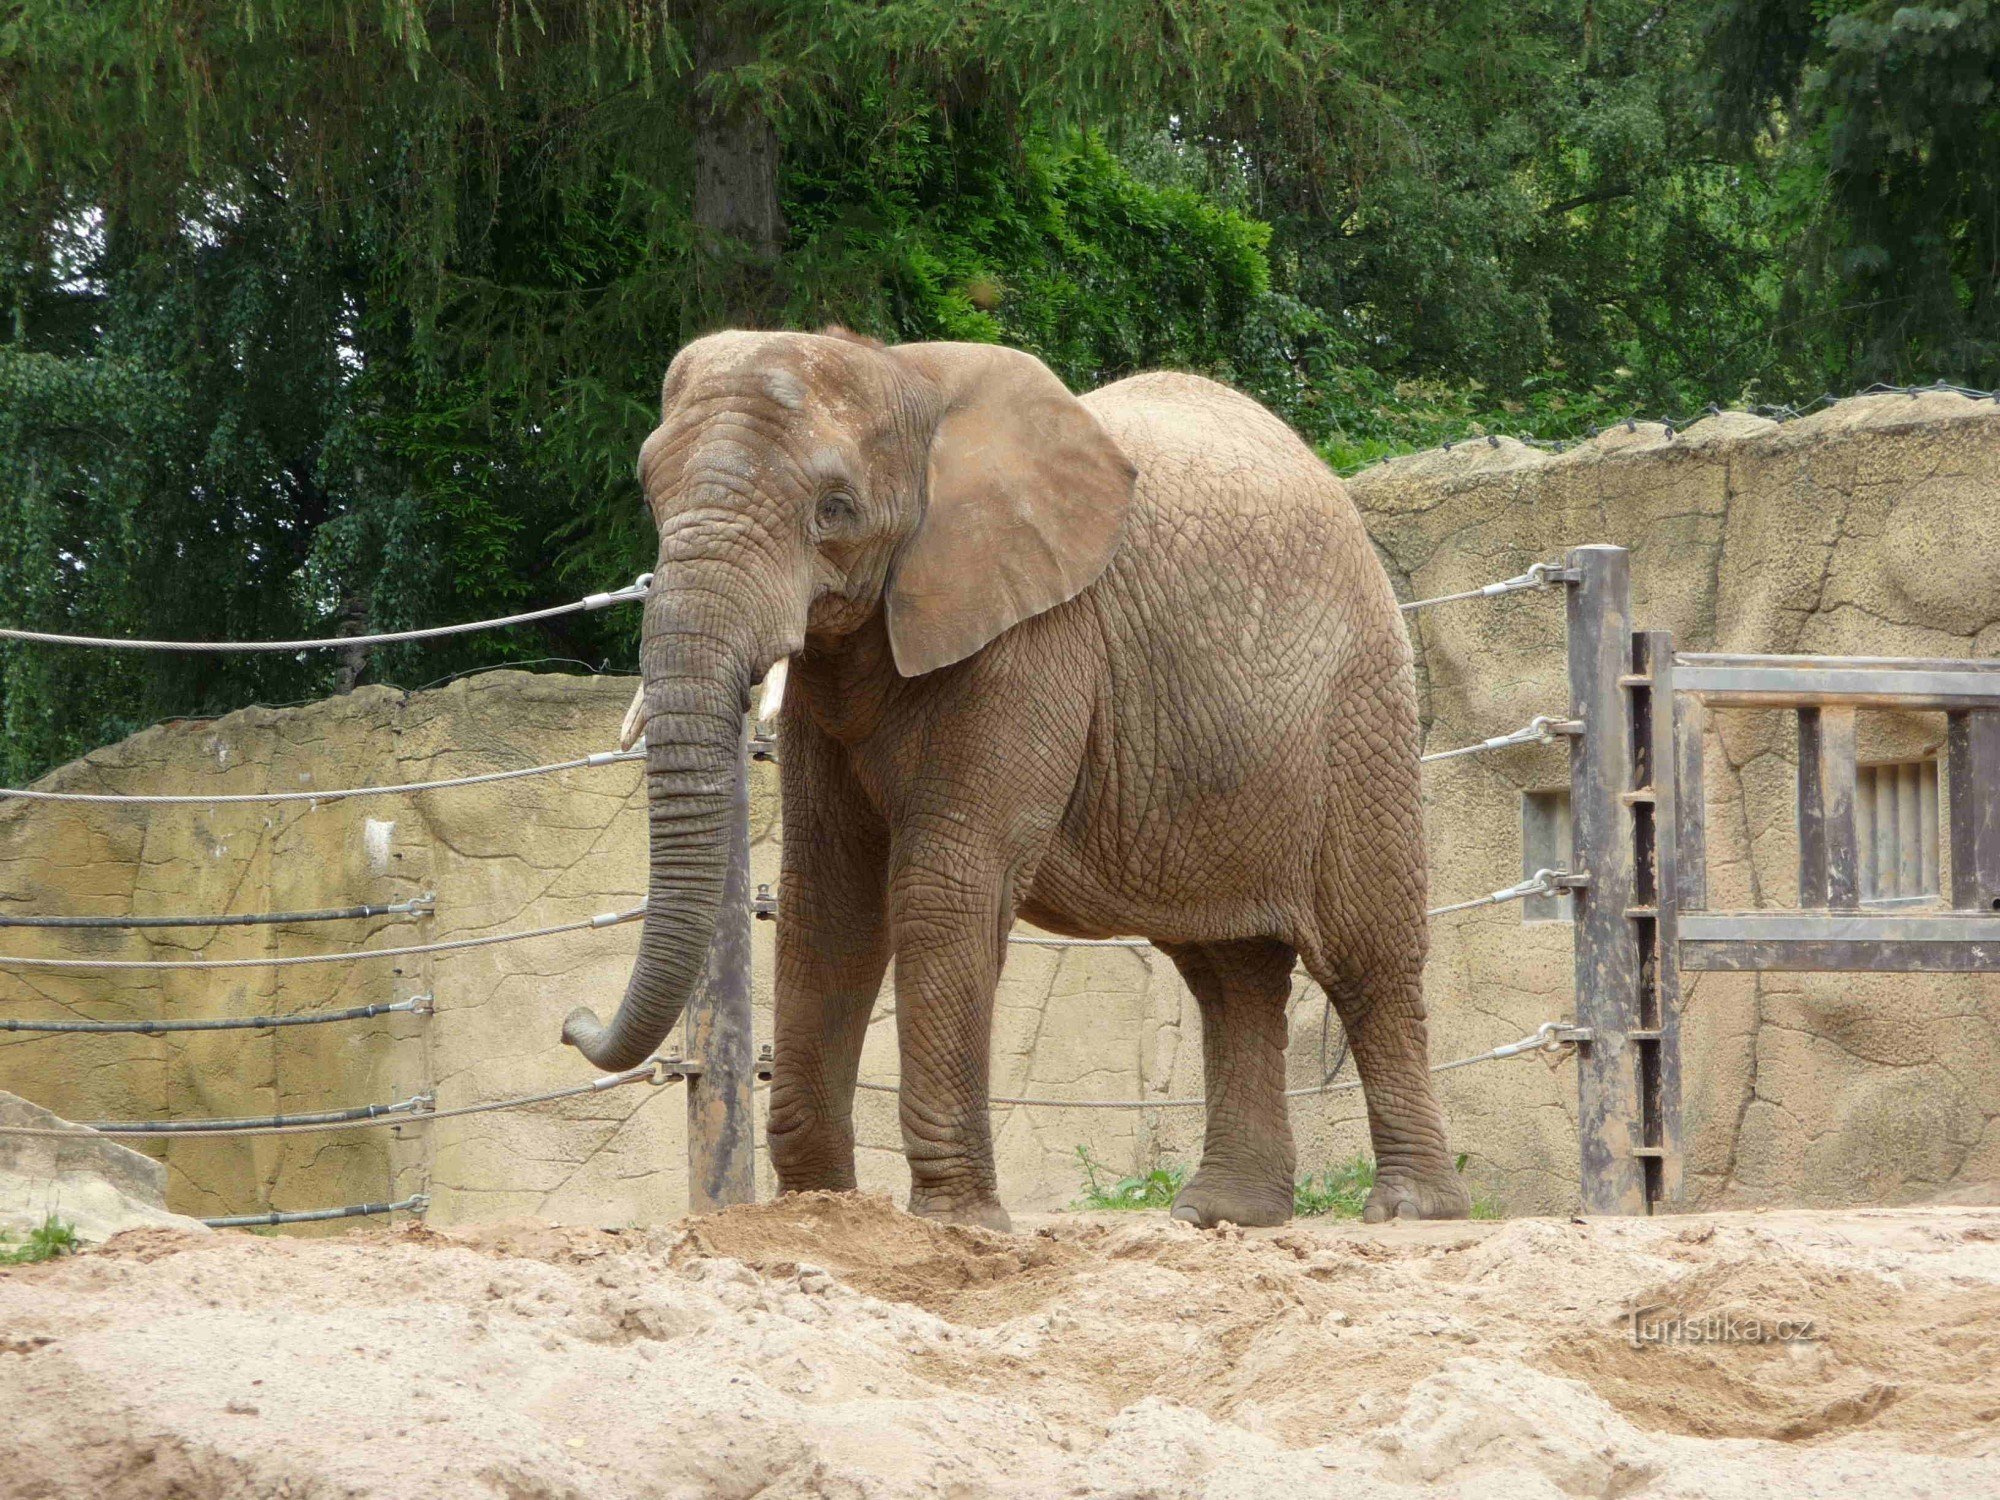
(829, 1345)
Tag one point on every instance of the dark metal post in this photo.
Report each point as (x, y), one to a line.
(1657, 826)
(720, 1102)
(1608, 958)
(1829, 855)
(1972, 761)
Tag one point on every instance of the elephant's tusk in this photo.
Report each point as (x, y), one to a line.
(774, 695)
(634, 727)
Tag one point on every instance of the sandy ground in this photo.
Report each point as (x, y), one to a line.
(831, 1346)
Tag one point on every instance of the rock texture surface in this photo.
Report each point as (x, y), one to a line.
(1871, 528)
(88, 1181)
(1867, 528)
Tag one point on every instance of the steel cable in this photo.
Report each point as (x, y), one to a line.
(1541, 1039)
(634, 590)
(655, 1070)
(602, 919)
(356, 1114)
(335, 794)
(1537, 577)
(420, 905)
(416, 1203)
(418, 1005)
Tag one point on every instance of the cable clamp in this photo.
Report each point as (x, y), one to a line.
(766, 1062)
(764, 905)
(614, 918)
(636, 589)
(764, 747)
(611, 757)
(1541, 575)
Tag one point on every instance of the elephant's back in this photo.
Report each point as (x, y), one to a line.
(1257, 689)
(1234, 514)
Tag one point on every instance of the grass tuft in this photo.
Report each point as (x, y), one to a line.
(1339, 1192)
(53, 1238)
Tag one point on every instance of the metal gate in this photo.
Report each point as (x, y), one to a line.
(1638, 710)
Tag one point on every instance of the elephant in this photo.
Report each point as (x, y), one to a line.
(1123, 664)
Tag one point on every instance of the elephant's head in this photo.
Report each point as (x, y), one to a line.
(800, 483)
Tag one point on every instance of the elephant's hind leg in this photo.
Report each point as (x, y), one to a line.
(1247, 1159)
(1382, 1008)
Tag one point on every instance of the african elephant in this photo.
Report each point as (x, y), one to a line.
(1123, 664)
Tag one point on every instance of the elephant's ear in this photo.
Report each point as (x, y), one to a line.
(1025, 497)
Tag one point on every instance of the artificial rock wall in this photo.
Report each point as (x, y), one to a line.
(1870, 528)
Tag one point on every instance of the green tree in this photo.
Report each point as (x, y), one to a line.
(1880, 123)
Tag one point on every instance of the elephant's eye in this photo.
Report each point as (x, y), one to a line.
(835, 507)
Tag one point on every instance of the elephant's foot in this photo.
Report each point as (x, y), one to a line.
(1406, 1193)
(1210, 1197)
(828, 1178)
(978, 1213)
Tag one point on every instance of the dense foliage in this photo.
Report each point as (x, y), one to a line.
(319, 316)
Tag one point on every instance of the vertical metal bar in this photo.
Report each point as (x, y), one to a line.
(1829, 861)
(1972, 751)
(1690, 721)
(1661, 1010)
(1607, 947)
(720, 1098)
(1870, 878)
(1910, 818)
(1927, 809)
(1886, 832)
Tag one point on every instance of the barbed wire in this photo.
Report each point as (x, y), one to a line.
(418, 906)
(416, 1005)
(1675, 425)
(602, 919)
(632, 591)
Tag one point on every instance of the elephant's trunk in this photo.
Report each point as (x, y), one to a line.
(696, 693)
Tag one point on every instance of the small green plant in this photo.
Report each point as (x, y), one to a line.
(1154, 1189)
(1339, 1192)
(53, 1238)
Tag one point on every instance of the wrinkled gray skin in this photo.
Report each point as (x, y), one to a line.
(1124, 665)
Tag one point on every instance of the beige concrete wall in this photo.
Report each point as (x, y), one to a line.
(1869, 528)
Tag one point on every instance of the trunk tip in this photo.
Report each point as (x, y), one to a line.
(583, 1031)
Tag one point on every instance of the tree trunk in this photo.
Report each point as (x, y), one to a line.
(739, 227)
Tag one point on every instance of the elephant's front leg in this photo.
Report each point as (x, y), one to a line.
(829, 973)
(949, 934)
(833, 948)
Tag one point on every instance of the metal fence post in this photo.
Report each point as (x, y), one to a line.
(1609, 961)
(1656, 833)
(720, 1098)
